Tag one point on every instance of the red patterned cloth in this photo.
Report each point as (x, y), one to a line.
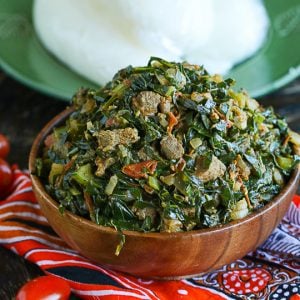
(270, 272)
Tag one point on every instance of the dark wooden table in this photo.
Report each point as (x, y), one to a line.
(24, 111)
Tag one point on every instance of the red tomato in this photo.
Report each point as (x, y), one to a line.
(44, 288)
(141, 169)
(6, 177)
(172, 122)
(4, 146)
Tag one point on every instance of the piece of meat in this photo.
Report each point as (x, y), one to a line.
(147, 102)
(165, 105)
(171, 147)
(216, 169)
(128, 136)
(102, 165)
(170, 225)
(109, 139)
(244, 169)
(142, 213)
(162, 119)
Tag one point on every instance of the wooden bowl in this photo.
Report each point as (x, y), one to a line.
(160, 255)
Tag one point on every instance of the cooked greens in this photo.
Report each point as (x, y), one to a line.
(167, 147)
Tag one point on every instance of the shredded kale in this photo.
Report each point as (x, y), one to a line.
(167, 147)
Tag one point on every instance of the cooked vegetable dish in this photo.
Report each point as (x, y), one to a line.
(167, 147)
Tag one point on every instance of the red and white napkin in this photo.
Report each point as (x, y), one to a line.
(270, 272)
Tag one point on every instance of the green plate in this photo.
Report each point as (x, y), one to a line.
(23, 57)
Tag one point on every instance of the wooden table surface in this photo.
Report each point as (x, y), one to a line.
(23, 112)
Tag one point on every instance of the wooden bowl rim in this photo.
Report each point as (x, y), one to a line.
(39, 188)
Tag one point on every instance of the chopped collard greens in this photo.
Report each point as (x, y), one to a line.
(167, 147)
